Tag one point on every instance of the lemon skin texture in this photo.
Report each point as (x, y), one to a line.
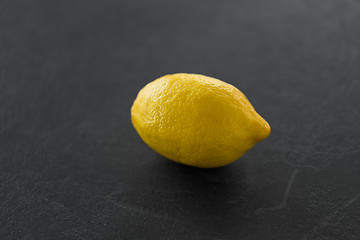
(197, 120)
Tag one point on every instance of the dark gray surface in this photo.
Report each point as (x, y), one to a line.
(73, 167)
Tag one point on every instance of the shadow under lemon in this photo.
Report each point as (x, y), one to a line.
(203, 201)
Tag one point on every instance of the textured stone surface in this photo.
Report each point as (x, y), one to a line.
(73, 167)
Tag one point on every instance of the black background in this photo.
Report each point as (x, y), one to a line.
(73, 167)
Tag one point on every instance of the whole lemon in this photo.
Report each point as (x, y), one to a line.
(197, 120)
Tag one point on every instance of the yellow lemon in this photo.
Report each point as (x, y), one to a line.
(197, 120)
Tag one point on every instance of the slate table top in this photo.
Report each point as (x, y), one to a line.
(73, 167)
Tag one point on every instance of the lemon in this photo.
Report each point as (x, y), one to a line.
(197, 120)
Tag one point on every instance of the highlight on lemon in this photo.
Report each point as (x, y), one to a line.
(197, 120)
